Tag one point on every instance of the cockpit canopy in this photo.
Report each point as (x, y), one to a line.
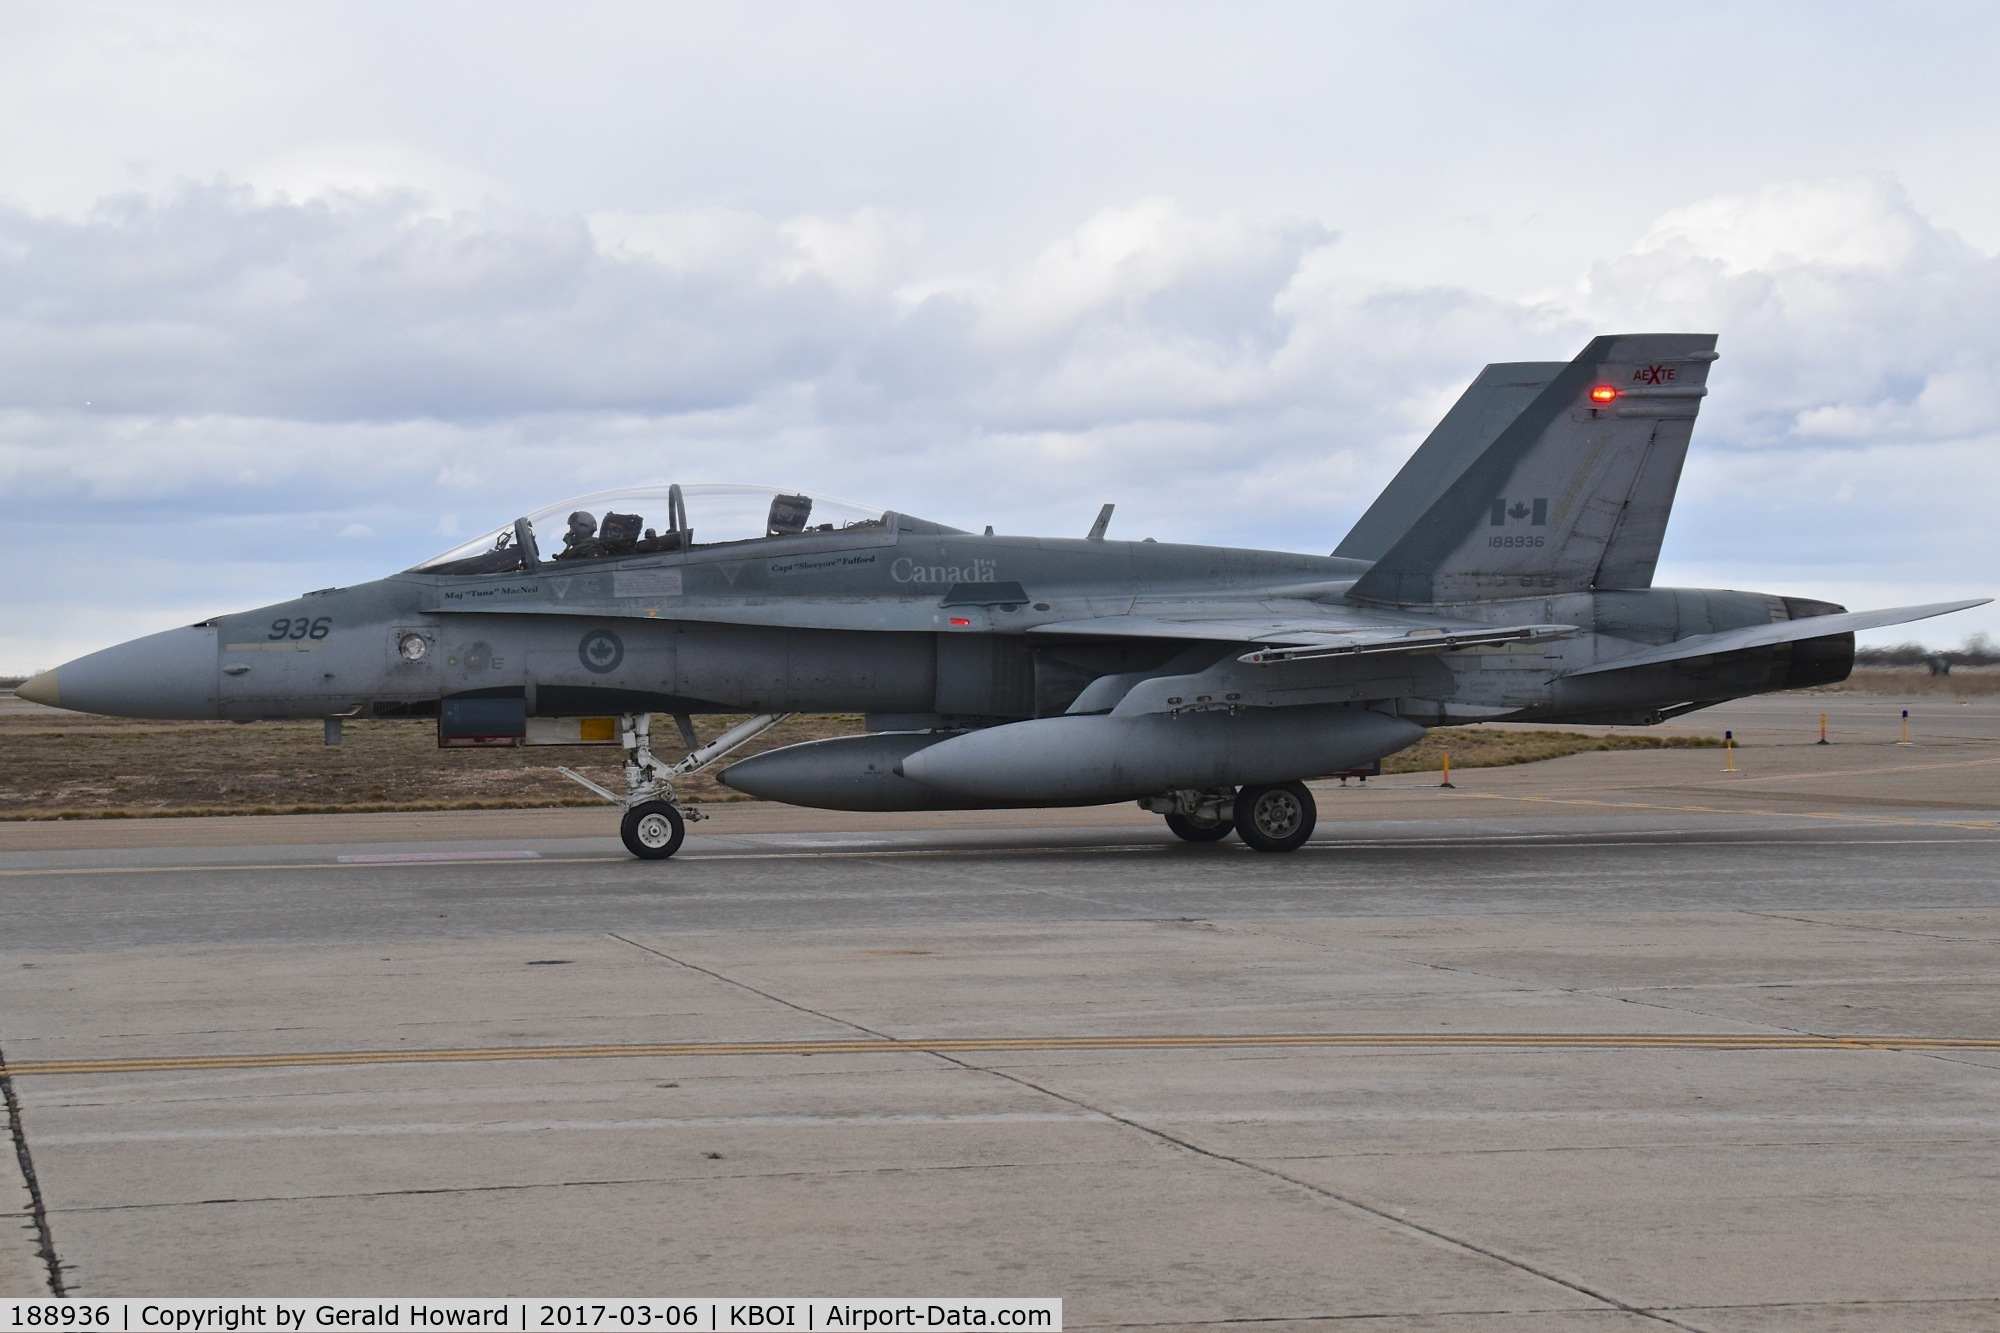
(646, 519)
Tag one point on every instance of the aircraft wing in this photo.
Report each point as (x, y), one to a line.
(1784, 631)
(1301, 630)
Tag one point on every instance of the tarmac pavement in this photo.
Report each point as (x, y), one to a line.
(1617, 1041)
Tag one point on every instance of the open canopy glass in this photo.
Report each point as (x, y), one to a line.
(645, 519)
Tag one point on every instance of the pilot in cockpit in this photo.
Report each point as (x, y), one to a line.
(581, 539)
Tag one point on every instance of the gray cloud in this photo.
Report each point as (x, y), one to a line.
(370, 307)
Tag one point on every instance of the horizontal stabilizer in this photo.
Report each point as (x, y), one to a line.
(1784, 631)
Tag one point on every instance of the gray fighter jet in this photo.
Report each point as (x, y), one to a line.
(1506, 573)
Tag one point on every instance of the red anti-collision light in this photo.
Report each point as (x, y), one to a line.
(1603, 393)
(960, 620)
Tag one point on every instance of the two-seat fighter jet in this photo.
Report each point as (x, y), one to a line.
(1506, 573)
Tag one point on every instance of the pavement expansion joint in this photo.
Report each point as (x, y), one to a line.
(531, 1186)
(1884, 1307)
(1395, 1219)
(875, 1039)
(1868, 927)
(952, 1050)
(37, 1206)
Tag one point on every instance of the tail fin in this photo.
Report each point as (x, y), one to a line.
(1572, 494)
(1495, 397)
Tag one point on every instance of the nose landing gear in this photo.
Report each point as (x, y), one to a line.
(655, 819)
(652, 830)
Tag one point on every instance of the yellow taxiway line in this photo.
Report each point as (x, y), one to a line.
(1672, 1041)
(1982, 825)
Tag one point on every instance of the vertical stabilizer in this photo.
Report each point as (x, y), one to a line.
(1495, 397)
(1572, 494)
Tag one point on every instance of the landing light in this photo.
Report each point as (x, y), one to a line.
(1603, 393)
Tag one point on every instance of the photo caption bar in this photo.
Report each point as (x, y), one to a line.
(288, 1314)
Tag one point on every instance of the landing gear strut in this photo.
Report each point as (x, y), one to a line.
(1196, 816)
(1189, 829)
(655, 820)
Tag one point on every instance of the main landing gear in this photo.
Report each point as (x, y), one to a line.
(655, 820)
(1188, 828)
(1277, 817)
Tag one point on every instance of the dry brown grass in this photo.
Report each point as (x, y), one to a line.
(67, 766)
(70, 766)
(1963, 681)
(1497, 747)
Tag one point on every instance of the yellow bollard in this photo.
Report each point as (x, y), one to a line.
(1822, 728)
(1447, 770)
(1906, 728)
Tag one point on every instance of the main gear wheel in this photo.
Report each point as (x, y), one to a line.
(1277, 818)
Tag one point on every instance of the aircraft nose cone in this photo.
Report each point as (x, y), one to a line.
(167, 675)
(40, 689)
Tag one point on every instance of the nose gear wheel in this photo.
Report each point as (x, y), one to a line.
(655, 821)
(652, 830)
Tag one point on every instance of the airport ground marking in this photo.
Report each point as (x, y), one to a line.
(1552, 841)
(424, 858)
(608, 859)
(1569, 1041)
(1982, 826)
(1740, 779)
(1600, 838)
(1867, 772)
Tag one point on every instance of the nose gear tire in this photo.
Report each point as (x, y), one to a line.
(652, 830)
(1278, 818)
(1189, 830)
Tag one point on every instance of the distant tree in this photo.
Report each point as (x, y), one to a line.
(1979, 650)
(1894, 655)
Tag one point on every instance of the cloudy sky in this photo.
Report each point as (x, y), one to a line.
(299, 295)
